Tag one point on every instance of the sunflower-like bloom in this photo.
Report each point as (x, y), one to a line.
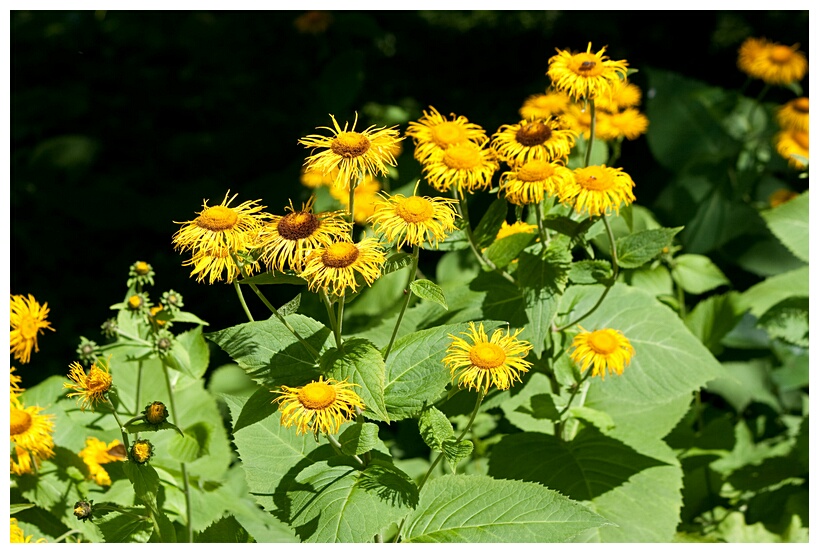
(414, 220)
(628, 123)
(578, 119)
(352, 153)
(141, 451)
(781, 196)
(217, 264)
(544, 139)
(434, 132)
(97, 453)
(584, 74)
(790, 144)
(480, 362)
(334, 268)
(366, 196)
(313, 178)
(14, 383)
(221, 225)
(544, 106)
(772, 62)
(16, 534)
(320, 407)
(466, 166)
(518, 227)
(623, 95)
(597, 189)
(31, 436)
(604, 350)
(794, 115)
(286, 240)
(28, 318)
(531, 181)
(91, 387)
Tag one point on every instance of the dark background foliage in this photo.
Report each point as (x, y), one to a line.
(123, 122)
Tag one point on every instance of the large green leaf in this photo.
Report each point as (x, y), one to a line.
(789, 223)
(641, 247)
(788, 320)
(192, 353)
(502, 252)
(360, 363)
(764, 295)
(491, 222)
(125, 528)
(480, 509)
(487, 296)
(697, 273)
(713, 318)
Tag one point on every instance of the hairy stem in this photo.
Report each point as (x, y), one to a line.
(407, 295)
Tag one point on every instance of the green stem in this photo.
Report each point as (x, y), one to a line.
(561, 423)
(340, 319)
(337, 446)
(585, 390)
(464, 212)
(539, 214)
(239, 293)
(616, 151)
(359, 178)
(592, 125)
(331, 316)
(407, 295)
(64, 536)
(138, 386)
(134, 338)
(185, 482)
(122, 430)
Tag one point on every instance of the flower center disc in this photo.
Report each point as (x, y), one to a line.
(142, 451)
(298, 225)
(317, 395)
(533, 133)
(339, 255)
(217, 218)
(585, 64)
(415, 210)
(461, 156)
(487, 355)
(801, 105)
(535, 170)
(19, 420)
(350, 144)
(134, 302)
(28, 327)
(593, 178)
(99, 381)
(448, 133)
(781, 54)
(801, 138)
(603, 342)
(142, 268)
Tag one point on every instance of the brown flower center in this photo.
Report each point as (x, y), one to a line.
(448, 133)
(487, 355)
(533, 133)
(462, 156)
(535, 171)
(603, 342)
(217, 218)
(298, 225)
(317, 395)
(801, 138)
(117, 452)
(415, 209)
(800, 105)
(339, 255)
(350, 144)
(781, 54)
(20, 421)
(594, 178)
(28, 327)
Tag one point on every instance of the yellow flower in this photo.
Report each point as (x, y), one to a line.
(790, 143)
(211, 263)
(466, 166)
(531, 181)
(604, 350)
(794, 115)
(434, 132)
(14, 384)
(623, 95)
(598, 188)
(772, 62)
(543, 106)
(414, 220)
(286, 240)
(334, 267)
(16, 534)
(628, 123)
(366, 196)
(518, 227)
(142, 451)
(92, 387)
(96, 453)
(31, 434)
(585, 75)
(482, 362)
(28, 318)
(352, 153)
(320, 407)
(578, 119)
(544, 139)
(781, 196)
(312, 178)
(221, 225)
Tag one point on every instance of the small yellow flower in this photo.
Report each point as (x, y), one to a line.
(578, 118)
(531, 181)
(366, 196)
(466, 166)
(542, 139)
(312, 178)
(482, 362)
(518, 227)
(791, 143)
(16, 534)
(352, 153)
(628, 123)
(434, 132)
(92, 387)
(414, 220)
(141, 451)
(794, 115)
(286, 240)
(597, 189)
(28, 318)
(320, 407)
(584, 74)
(623, 95)
(14, 384)
(772, 62)
(781, 196)
(221, 226)
(30, 433)
(544, 106)
(603, 350)
(216, 264)
(334, 268)
(97, 453)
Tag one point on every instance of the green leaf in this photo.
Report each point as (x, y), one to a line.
(577, 157)
(600, 419)
(290, 307)
(590, 271)
(360, 363)
(455, 452)
(270, 354)
(502, 252)
(533, 407)
(396, 262)
(145, 426)
(641, 247)
(340, 504)
(258, 407)
(713, 318)
(487, 296)
(697, 273)
(654, 280)
(434, 427)
(455, 240)
(125, 528)
(788, 320)
(480, 509)
(224, 530)
(760, 297)
(19, 507)
(273, 278)
(491, 222)
(789, 223)
(185, 317)
(144, 479)
(195, 353)
(361, 438)
(428, 290)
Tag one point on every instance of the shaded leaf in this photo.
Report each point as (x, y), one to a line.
(360, 363)
(428, 290)
(641, 247)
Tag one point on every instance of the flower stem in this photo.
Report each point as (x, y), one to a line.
(337, 446)
(238, 289)
(564, 423)
(331, 316)
(359, 178)
(138, 387)
(340, 320)
(134, 338)
(583, 385)
(407, 295)
(540, 229)
(185, 482)
(464, 212)
(592, 125)
(122, 430)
